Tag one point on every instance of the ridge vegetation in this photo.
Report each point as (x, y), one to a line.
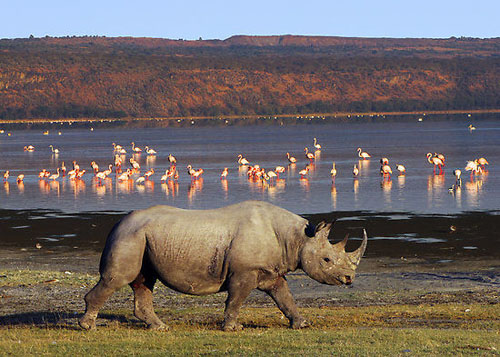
(76, 77)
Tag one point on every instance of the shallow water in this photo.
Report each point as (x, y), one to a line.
(213, 148)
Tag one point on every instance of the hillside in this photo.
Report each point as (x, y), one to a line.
(146, 77)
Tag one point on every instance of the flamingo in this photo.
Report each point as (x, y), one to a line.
(385, 170)
(117, 147)
(54, 176)
(29, 148)
(6, 175)
(309, 155)
(100, 175)
(20, 178)
(125, 176)
(150, 151)
(482, 161)
(190, 170)
(242, 161)
(164, 178)
(224, 173)
(303, 172)
(333, 171)
(140, 180)
(316, 145)
(80, 174)
(170, 173)
(172, 159)
(95, 167)
(41, 174)
(135, 165)
(135, 149)
(271, 175)
(457, 173)
(436, 161)
(363, 154)
(198, 173)
(384, 161)
(118, 163)
(471, 127)
(401, 169)
(63, 169)
(291, 159)
(76, 167)
(355, 171)
(473, 167)
(441, 157)
(55, 151)
(279, 170)
(149, 173)
(109, 170)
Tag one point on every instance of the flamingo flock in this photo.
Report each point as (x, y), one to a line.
(254, 172)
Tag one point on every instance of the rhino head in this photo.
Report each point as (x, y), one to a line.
(329, 263)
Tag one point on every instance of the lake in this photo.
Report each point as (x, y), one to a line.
(419, 191)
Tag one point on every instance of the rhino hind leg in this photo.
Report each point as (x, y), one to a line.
(143, 301)
(239, 287)
(94, 300)
(280, 292)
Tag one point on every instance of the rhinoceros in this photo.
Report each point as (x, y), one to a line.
(238, 248)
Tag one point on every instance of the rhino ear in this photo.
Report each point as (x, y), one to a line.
(310, 230)
(323, 230)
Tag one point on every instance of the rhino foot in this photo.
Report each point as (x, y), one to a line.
(299, 323)
(234, 326)
(87, 323)
(158, 327)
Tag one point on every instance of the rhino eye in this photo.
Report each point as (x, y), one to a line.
(326, 260)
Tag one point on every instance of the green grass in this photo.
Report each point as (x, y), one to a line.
(427, 328)
(442, 329)
(118, 340)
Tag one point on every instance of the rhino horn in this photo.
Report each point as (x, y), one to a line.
(355, 257)
(342, 243)
(323, 229)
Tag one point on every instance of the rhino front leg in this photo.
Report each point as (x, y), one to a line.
(280, 292)
(143, 302)
(240, 286)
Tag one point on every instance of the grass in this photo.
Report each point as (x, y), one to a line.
(442, 329)
(427, 328)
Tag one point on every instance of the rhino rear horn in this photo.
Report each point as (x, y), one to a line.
(355, 257)
(343, 243)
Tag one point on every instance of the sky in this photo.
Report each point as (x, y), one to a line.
(220, 19)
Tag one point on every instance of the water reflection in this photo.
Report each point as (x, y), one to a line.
(225, 187)
(386, 185)
(364, 167)
(194, 189)
(401, 181)
(54, 186)
(333, 193)
(6, 187)
(20, 186)
(355, 187)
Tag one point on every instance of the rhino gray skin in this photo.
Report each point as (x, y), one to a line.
(238, 248)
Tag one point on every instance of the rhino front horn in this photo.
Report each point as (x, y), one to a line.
(355, 257)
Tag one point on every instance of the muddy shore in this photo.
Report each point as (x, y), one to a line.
(409, 260)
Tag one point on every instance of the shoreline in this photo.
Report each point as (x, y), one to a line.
(391, 234)
(252, 116)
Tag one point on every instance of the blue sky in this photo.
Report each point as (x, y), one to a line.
(218, 19)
